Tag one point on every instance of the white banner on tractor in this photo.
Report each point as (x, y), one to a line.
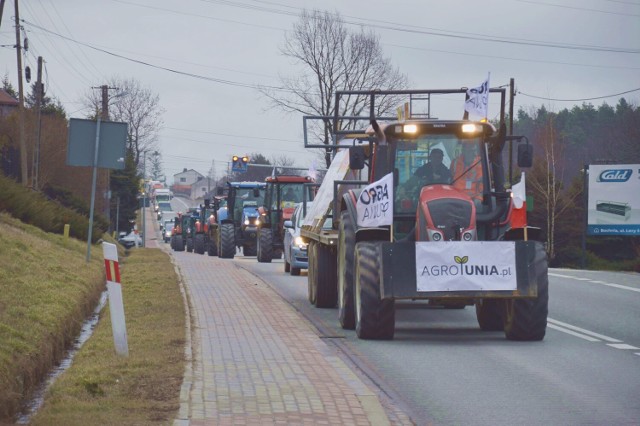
(466, 266)
(375, 203)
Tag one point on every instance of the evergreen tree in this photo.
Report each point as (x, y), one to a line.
(125, 189)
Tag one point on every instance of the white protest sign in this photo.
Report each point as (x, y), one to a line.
(116, 305)
(466, 266)
(375, 203)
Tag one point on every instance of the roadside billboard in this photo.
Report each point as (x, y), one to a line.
(614, 199)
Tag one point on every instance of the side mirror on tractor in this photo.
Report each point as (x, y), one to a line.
(525, 155)
(356, 158)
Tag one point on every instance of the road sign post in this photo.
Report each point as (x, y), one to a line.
(239, 164)
(116, 305)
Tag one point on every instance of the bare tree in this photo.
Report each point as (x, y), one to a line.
(137, 106)
(547, 177)
(333, 59)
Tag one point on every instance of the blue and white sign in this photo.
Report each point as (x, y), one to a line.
(614, 199)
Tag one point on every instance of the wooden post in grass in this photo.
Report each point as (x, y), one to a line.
(116, 305)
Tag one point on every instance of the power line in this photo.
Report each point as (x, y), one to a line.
(403, 27)
(578, 100)
(575, 8)
(197, 76)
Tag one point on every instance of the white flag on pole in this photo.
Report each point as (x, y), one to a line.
(477, 102)
(375, 203)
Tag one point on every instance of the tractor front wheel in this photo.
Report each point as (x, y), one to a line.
(265, 247)
(227, 241)
(375, 317)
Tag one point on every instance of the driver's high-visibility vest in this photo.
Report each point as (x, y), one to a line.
(471, 182)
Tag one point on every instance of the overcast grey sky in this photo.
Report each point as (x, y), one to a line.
(558, 49)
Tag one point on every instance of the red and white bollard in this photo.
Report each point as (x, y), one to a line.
(116, 305)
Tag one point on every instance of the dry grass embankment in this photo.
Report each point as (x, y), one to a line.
(47, 289)
(102, 388)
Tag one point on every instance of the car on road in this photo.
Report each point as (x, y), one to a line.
(295, 248)
(130, 240)
(167, 229)
(163, 206)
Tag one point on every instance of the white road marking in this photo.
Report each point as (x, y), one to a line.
(622, 287)
(573, 333)
(622, 346)
(583, 331)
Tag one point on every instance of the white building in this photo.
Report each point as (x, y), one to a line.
(183, 181)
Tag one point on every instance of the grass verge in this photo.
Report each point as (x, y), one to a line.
(103, 388)
(46, 290)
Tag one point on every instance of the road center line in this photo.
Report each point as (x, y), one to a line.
(622, 346)
(622, 287)
(583, 331)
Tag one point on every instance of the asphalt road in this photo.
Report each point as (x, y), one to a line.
(442, 369)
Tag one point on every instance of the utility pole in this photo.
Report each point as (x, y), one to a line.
(104, 116)
(36, 152)
(23, 144)
(512, 95)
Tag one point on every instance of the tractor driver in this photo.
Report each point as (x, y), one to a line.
(434, 171)
(467, 171)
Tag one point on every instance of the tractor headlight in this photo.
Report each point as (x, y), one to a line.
(410, 128)
(469, 235)
(257, 221)
(471, 128)
(435, 235)
(247, 222)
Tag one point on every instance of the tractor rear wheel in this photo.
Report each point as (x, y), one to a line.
(249, 250)
(265, 247)
(179, 243)
(190, 244)
(212, 247)
(375, 317)
(313, 272)
(198, 244)
(526, 319)
(327, 277)
(346, 254)
(227, 241)
(489, 314)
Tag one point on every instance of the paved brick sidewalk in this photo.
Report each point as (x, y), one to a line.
(256, 361)
(253, 360)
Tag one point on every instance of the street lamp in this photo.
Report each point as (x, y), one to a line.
(144, 198)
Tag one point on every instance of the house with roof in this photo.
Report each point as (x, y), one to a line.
(183, 181)
(8, 104)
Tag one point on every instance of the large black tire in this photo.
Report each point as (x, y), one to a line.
(295, 271)
(526, 319)
(265, 245)
(313, 272)
(489, 313)
(198, 244)
(179, 243)
(172, 242)
(249, 250)
(327, 277)
(375, 317)
(190, 244)
(212, 247)
(287, 266)
(346, 254)
(227, 241)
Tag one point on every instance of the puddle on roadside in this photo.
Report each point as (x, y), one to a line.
(86, 331)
